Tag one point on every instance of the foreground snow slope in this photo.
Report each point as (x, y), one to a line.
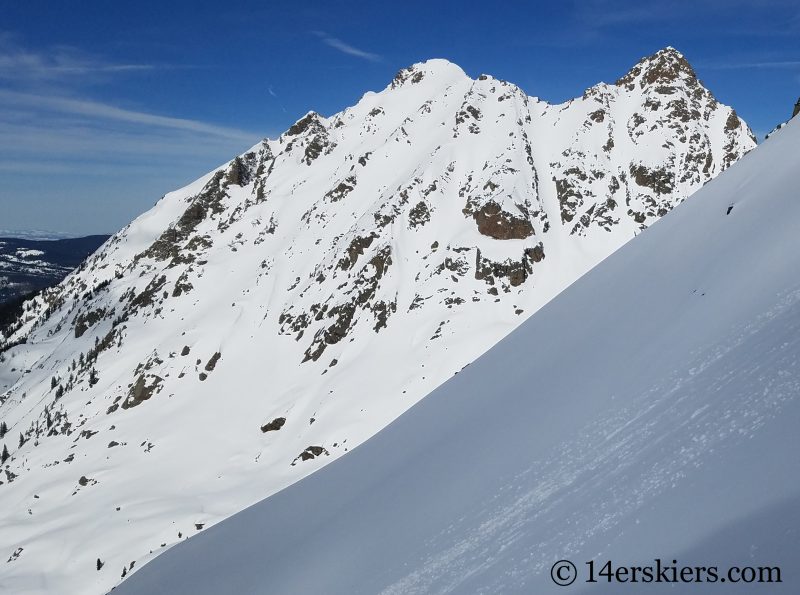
(269, 317)
(650, 410)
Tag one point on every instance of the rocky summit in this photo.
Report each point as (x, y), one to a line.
(267, 318)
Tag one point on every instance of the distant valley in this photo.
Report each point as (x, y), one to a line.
(29, 265)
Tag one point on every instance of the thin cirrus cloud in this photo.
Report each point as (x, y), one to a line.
(20, 64)
(45, 117)
(85, 150)
(94, 109)
(778, 64)
(49, 126)
(346, 48)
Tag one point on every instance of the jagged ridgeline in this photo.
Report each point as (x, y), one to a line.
(263, 320)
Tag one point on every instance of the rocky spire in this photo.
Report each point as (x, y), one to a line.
(664, 68)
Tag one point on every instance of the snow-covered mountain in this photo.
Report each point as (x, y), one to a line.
(262, 321)
(648, 412)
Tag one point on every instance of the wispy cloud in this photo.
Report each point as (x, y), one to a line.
(598, 14)
(54, 137)
(770, 65)
(346, 48)
(590, 21)
(50, 126)
(601, 14)
(97, 110)
(89, 151)
(58, 63)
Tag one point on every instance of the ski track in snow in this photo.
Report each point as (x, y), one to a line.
(595, 459)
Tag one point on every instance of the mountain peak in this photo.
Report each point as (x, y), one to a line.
(437, 68)
(310, 120)
(664, 68)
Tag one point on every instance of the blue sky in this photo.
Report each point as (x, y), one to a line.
(106, 106)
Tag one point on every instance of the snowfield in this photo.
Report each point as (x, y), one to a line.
(649, 411)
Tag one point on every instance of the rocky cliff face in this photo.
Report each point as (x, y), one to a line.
(269, 317)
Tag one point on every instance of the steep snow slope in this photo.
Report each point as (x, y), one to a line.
(649, 411)
(260, 322)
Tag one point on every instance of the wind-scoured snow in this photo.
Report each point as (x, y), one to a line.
(649, 411)
(266, 319)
